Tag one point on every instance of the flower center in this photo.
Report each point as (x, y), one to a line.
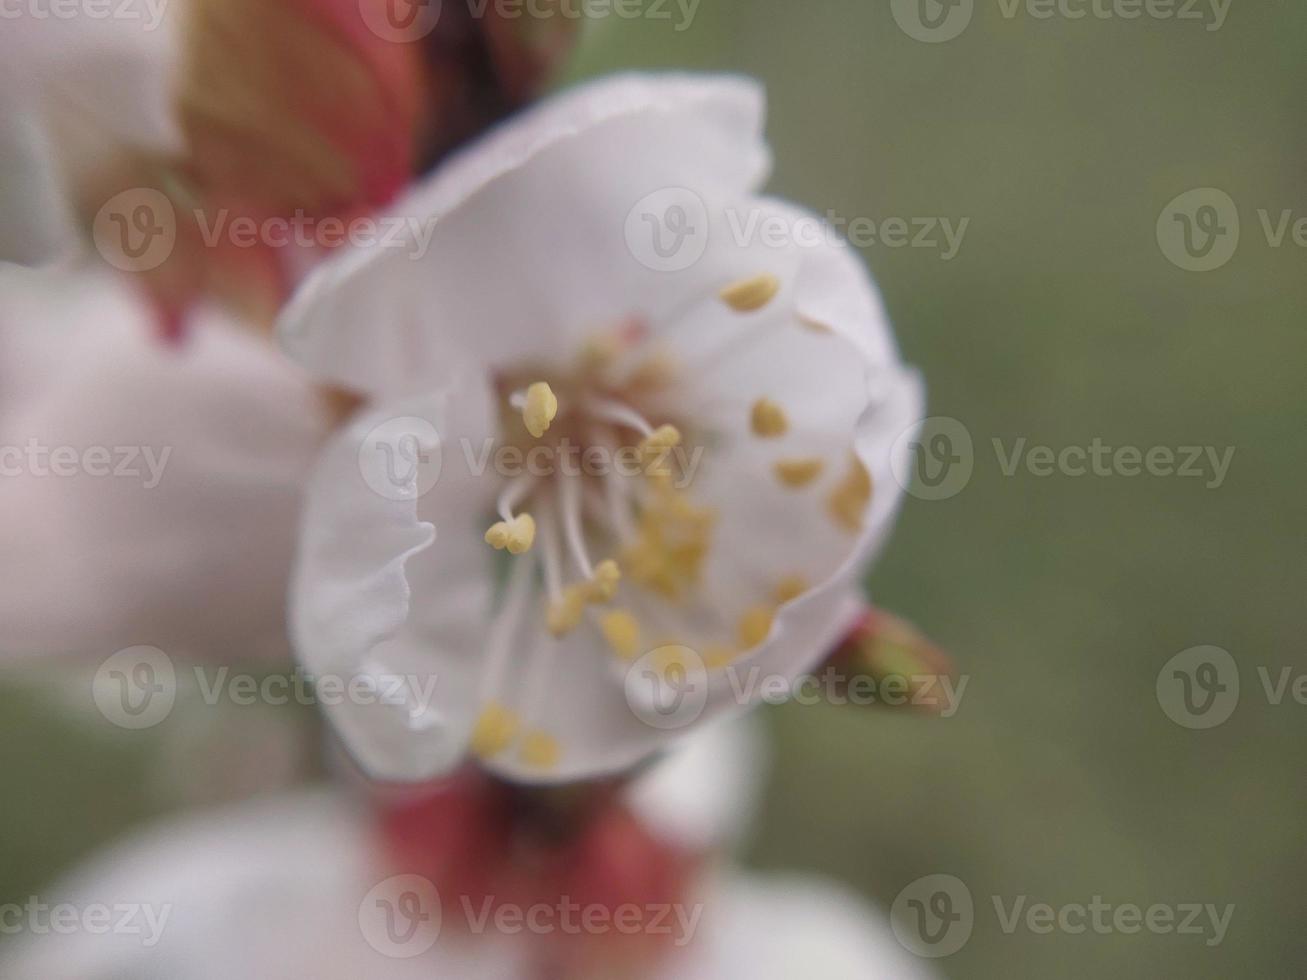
(603, 518)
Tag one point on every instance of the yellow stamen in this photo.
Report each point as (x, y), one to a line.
(798, 473)
(494, 731)
(497, 536)
(673, 540)
(751, 295)
(768, 419)
(540, 409)
(754, 626)
(606, 578)
(565, 615)
(790, 588)
(516, 535)
(522, 534)
(622, 632)
(661, 439)
(655, 449)
(540, 750)
(848, 502)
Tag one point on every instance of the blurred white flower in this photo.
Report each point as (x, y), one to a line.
(149, 494)
(286, 888)
(756, 386)
(75, 89)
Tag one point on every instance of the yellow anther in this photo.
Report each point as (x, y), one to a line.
(495, 729)
(521, 534)
(673, 539)
(768, 419)
(497, 536)
(790, 588)
(540, 409)
(516, 535)
(719, 655)
(662, 438)
(540, 750)
(798, 473)
(606, 579)
(622, 633)
(565, 614)
(848, 501)
(751, 295)
(754, 626)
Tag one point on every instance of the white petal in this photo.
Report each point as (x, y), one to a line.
(528, 246)
(703, 795)
(845, 392)
(35, 226)
(197, 562)
(372, 597)
(783, 926)
(100, 80)
(273, 888)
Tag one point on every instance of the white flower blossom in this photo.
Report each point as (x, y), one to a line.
(277, 888)
(74, 90)
(758, 391)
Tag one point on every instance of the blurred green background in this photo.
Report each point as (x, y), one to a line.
(1059, 320)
